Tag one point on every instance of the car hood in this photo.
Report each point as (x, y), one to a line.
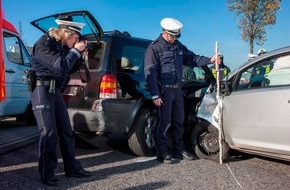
(91, 28)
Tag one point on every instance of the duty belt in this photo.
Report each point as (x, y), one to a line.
(50, 83)
(43, 83)
(171, 86)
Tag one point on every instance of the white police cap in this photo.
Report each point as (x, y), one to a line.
(75, 26)
(172, 26)
(220, 55)
(261, 51)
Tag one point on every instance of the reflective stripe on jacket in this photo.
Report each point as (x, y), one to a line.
(224, 73)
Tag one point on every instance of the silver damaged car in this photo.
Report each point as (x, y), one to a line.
(254, 111)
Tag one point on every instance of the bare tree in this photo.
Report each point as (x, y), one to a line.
(21, 32)
(253, 16)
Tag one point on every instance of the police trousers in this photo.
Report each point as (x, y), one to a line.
(170, 114)
(53, 122)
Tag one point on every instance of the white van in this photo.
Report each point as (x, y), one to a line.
(15, 59)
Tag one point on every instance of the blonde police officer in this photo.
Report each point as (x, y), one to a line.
(53, 57)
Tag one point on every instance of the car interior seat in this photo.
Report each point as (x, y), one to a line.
(125, 64)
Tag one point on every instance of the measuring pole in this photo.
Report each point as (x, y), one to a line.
(218, 97)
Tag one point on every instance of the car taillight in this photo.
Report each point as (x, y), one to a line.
(108, 86)
(2, 72)
(2, 80)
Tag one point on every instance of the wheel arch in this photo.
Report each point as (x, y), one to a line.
(140, 104)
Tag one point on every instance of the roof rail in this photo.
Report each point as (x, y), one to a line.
(117, 32)
(125, 33)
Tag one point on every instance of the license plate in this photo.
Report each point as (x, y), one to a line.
(72, 91)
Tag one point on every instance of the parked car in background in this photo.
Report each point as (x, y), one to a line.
(14, 94)
(255, 110)
(115, 99)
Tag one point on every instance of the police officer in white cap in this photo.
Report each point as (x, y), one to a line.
(53, 57)
(262, 51)
(164, 59)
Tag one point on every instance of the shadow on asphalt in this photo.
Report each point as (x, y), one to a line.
(236, 156)
(117, 142)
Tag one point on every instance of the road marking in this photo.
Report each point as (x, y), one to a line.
(145, 159)
(234, 176)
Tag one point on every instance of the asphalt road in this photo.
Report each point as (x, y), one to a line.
(115, 167)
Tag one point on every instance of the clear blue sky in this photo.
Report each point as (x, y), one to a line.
(205, 22)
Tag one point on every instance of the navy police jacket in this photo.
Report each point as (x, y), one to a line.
(51, 60)
(163, 64)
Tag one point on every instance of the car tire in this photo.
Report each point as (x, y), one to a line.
(141, 138)
(205, 142)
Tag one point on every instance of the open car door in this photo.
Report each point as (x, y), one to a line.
(92, 29)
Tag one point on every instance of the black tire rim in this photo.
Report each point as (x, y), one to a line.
(209, 143)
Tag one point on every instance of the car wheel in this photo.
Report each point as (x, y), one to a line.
(205, 142)
(141, 138)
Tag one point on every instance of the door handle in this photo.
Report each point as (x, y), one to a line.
(10, 71)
